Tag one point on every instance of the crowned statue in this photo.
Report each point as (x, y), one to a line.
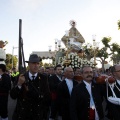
(73, 40)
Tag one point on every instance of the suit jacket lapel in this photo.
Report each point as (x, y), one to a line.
(74, 83)
(117, 85)
(84, 88)
(57, 78)
(66, 87)
(117, 92)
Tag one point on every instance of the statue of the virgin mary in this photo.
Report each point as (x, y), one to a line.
(73, 40)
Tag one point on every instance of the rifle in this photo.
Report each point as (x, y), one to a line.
(21, 58)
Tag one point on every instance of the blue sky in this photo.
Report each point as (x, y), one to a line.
(45, 20)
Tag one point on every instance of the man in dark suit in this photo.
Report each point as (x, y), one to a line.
(64, 93)
(54, 80)
(51, 71)
(114, 110)
(32, 93)
(5, 85)
(87, 98)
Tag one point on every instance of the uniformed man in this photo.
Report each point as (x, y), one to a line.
(14, 75)
(32, 93)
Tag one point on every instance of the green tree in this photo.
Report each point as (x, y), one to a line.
(115, 58)
(111, 47)
(8, 61)
(103, 53)
(118, 24)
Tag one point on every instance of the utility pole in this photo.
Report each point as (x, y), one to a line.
(13, 56)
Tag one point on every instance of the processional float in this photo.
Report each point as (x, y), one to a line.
(73, 41)
(73, 54)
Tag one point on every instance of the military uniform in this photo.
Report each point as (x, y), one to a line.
(31, 103)
(14, 76)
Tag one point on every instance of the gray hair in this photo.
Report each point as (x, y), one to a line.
(66, 69)
(82, 69)
(113, 68)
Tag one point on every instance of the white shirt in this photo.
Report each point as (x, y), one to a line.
(30, 75)
(92, 104)
(69, 83)
(118, 82)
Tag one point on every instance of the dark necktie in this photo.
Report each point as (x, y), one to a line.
(33, 77)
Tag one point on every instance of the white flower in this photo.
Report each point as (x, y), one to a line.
(68, 55)
(78, 60)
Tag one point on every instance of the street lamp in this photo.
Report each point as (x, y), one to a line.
(92, 49)
(95, 48)
(67, 40)
(57, 49)
(13, 54)
(57, 45)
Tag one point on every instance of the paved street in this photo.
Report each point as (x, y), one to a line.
(11, 107)
(12, 103)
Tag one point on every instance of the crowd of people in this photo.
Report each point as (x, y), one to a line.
(54, 93)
